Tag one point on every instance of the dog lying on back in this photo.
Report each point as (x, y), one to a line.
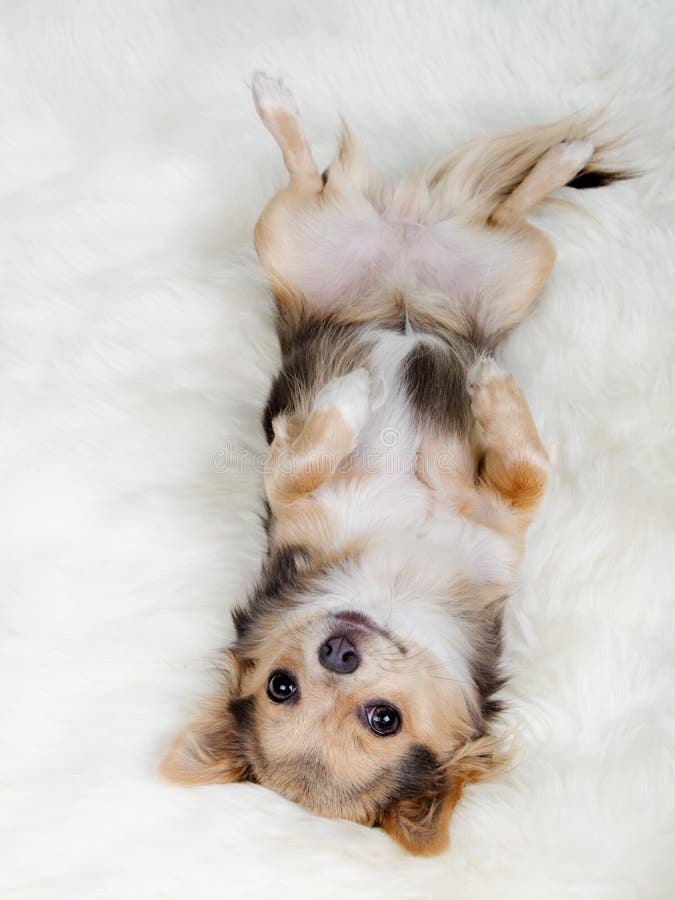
(404, 470)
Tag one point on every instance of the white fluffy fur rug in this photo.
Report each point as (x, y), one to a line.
(137, 347)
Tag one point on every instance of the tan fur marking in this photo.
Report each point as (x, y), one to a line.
(296, 468)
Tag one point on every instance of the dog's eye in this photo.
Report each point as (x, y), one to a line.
(281, 687)
(384, 720)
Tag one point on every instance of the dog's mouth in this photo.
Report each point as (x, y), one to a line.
(361, 621)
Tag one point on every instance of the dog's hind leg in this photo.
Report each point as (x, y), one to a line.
(319, 237)
(490, 186)
(556, 168)
(521, 255)
(472, 181)
(280, 250)
(533, 254)
(278, 110)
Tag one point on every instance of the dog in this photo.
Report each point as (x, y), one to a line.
(404, 469)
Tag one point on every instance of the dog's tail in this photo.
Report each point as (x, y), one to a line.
(590, 177)
(476, 178)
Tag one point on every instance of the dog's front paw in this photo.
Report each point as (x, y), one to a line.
(482, 372)
(350, 395)
(272, 96)
(489, 387)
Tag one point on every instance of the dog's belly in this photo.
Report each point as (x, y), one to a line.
(337, 257)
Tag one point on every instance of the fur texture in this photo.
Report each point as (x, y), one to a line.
(138, 351)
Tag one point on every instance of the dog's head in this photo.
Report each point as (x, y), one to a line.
(355, 715)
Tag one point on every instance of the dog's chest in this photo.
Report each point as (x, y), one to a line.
(401, 511)
(359, 507)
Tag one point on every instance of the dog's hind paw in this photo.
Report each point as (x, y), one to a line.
(271, 95)
(577, 153)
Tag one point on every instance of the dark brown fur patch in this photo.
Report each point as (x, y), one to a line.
(416, 771)
(314, 353)
(418, 814)
(277, 590)
(434, 379)
(589, 178)
(486, 666)
(243, 713)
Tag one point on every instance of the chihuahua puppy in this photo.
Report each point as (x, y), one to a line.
(404, 469)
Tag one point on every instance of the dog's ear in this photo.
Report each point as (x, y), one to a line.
(420, 822)
(212, 747)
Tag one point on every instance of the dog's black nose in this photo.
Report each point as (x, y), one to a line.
(338, 655)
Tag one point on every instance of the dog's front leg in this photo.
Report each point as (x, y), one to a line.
(499, 478)
(514, 466)
(304, 455)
